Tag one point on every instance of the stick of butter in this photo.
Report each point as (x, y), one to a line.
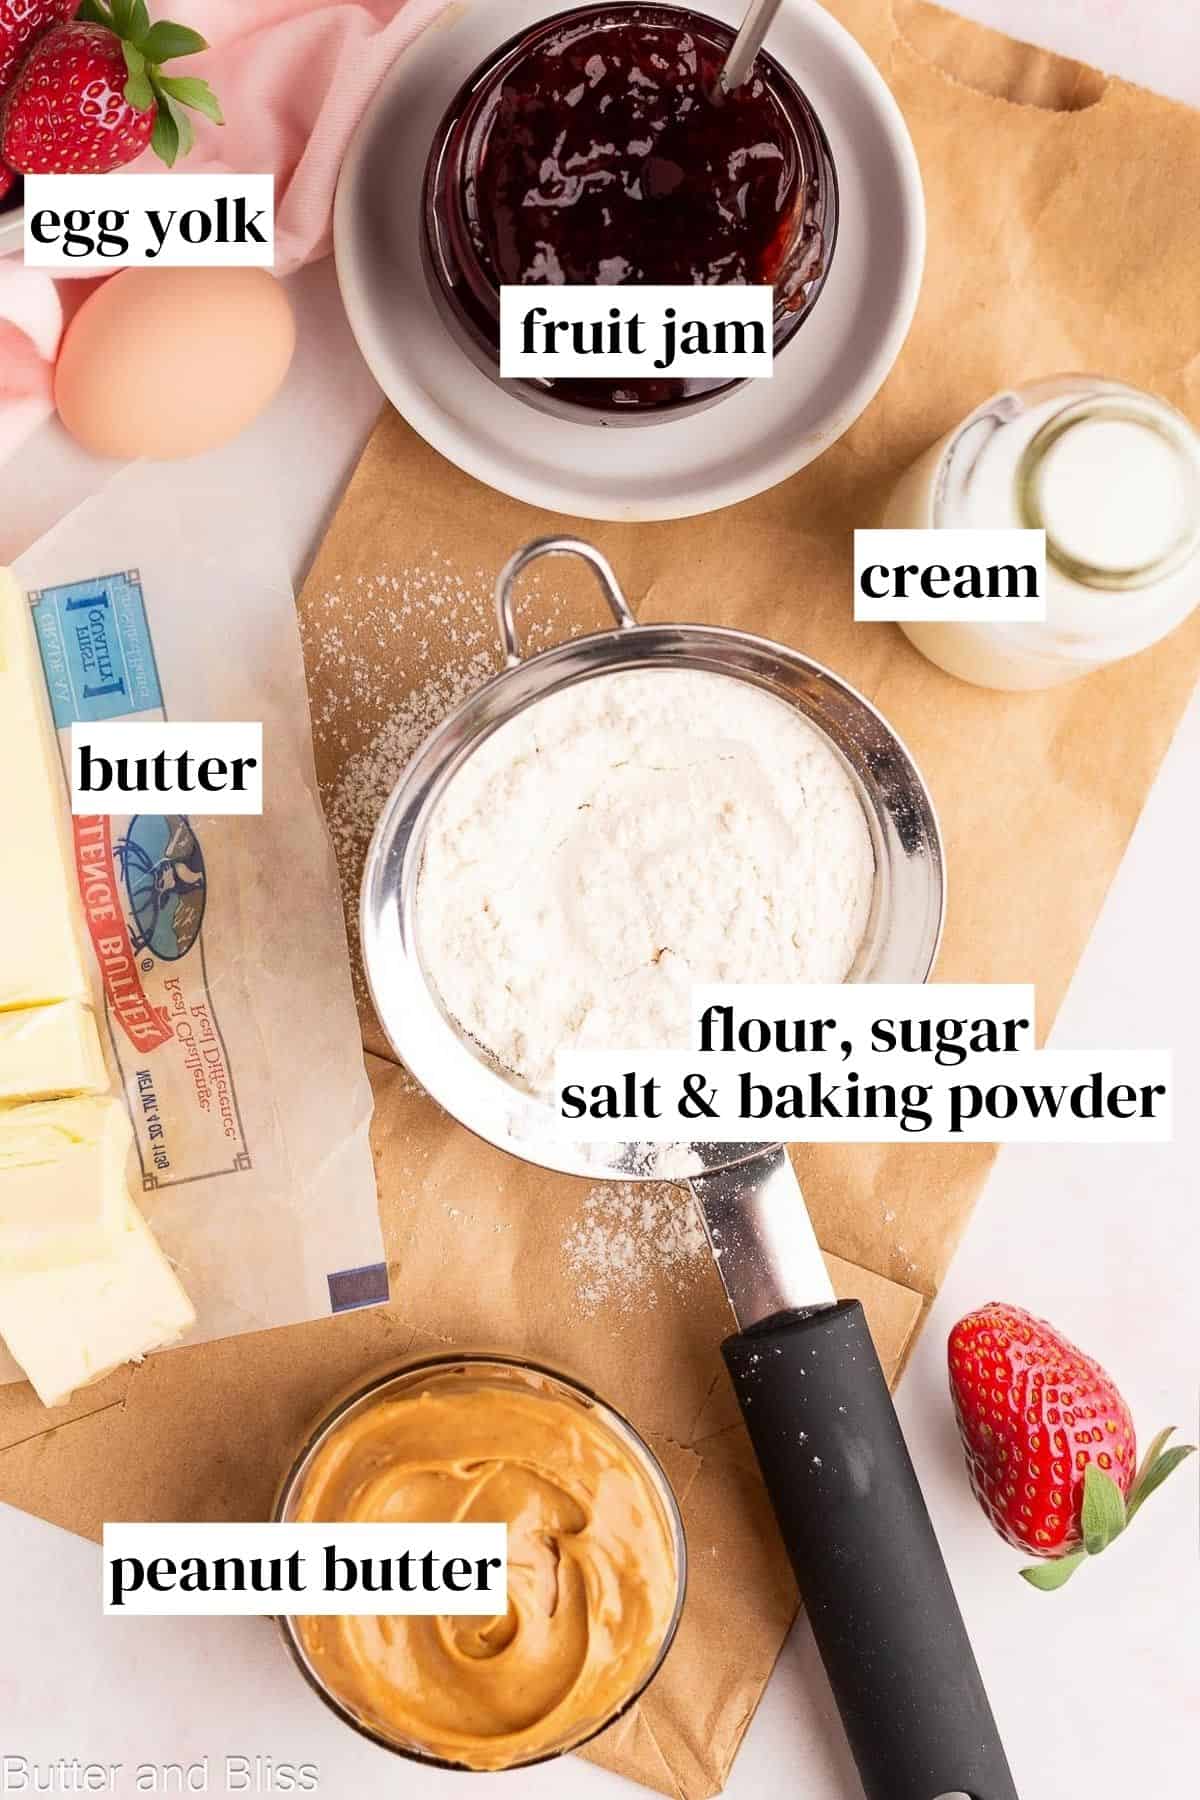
(49, 1050)
(62, 1180)
(73, 1325)
(41, 955)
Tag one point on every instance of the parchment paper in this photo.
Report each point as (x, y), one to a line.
(1063, 234)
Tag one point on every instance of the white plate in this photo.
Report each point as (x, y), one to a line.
(755, 437)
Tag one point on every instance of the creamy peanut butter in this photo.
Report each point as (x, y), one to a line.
(593, 1572)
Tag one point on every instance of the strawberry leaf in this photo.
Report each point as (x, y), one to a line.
(135, 62)
(122, 16)
(1103, 1517)
(138, 92)
(190, 91)
(164, 41)
(165, 139)
(93, 13)
(1152, 1455)
(183, 124)
(139, 21)
(1157, 1464)
(1050, 1575)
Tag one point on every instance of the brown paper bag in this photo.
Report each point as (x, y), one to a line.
(1062, 212)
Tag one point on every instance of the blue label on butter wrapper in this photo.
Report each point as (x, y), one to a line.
(143, 884)
(352, 1288)
(96, 650)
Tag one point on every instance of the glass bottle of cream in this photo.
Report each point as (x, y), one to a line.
(1113, 476)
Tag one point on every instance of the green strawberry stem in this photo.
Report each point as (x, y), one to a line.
(146, 47)
(1106, 1512)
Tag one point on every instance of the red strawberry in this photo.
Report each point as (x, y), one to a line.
(22, 22)
(1050, 1443)
(67, 113)
(91, 94)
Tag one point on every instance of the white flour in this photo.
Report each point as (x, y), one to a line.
(629, 1236)
(620, 841)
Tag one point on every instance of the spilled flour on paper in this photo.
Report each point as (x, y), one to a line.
(388, 657)
(631, 1239)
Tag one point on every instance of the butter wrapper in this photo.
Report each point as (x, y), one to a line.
(219, 962)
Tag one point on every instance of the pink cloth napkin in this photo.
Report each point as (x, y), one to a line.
(294, 77)
(30, 327)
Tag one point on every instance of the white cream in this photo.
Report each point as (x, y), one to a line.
(1114, 476)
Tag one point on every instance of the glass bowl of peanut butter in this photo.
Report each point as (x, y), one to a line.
(597, 1562)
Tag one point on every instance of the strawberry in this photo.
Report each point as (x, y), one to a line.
(22, 22)
(1050, 1443)
(67, 112)
(91, 95)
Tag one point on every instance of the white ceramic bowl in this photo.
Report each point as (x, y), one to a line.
(750, 440)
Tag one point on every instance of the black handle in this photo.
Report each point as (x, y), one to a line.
(868, 1565)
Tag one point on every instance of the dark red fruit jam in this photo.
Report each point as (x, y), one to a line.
(590, 150)
(607, 159)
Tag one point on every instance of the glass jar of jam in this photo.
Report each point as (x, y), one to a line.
(593, 149)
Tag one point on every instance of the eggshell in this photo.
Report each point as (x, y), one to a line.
(166, 363)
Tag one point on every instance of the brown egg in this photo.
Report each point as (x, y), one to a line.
(169, 362)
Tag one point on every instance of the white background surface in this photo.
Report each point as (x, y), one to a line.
(1094, 1687)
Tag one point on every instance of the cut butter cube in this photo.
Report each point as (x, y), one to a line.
(73, 1325)
(62, 1180)
(41, 927)
(48, 1050)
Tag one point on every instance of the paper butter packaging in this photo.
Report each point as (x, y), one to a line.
(216, 949)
